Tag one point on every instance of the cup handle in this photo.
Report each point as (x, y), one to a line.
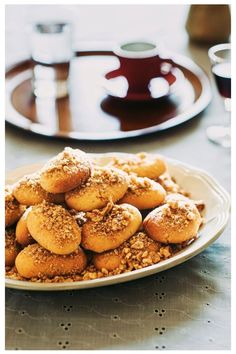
(168, 60)
(113, 74)
(170, 77)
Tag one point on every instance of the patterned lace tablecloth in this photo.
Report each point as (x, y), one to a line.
(185, 307)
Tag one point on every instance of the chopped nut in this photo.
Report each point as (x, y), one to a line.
(144, 254)
(138, 245)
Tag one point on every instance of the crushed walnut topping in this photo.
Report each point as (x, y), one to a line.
(106, 175)
(167, 182)
(98, 215)
(126, 163)
(101, 178)
(57, 220)
(33, 182)
(138, 252)
(199, 204)
(10, 238)
(10, 202)
(178, 211)
(170, 185)
(139, 185)
(79, 216)
(112, 218)
(40, 255)
(141, 251)
(68, 161)
(13, 209)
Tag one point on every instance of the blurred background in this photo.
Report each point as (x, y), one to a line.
(98, 23)
(183, 29)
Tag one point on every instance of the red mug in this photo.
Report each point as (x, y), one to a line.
(140, 62)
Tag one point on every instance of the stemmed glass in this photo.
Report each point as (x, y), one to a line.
(220, 56)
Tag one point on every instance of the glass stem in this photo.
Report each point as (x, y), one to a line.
(227, 105)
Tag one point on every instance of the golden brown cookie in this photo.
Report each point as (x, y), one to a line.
(143, 193)
(105, 184)
(36, 261)
(142, 164)
(23, 236)
(11, 247)
(13, 209)
(108, 231)
(137, 252)
(54, 228)
(168, 183)
(66, 171)
(177, 221)
(28, 191)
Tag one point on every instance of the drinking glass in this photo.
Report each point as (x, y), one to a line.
(220, 56)
(51, 51)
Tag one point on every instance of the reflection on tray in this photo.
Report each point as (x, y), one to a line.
(88, 113)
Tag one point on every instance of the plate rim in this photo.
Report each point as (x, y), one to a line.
(200, 104)
(179, 258)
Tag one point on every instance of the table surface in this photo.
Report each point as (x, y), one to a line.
(187, 307)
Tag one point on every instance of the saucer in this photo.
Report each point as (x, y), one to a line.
(118, 87)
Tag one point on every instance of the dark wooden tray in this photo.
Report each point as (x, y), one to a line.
(89, 114)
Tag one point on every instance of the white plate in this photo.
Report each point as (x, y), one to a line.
(197, 182)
